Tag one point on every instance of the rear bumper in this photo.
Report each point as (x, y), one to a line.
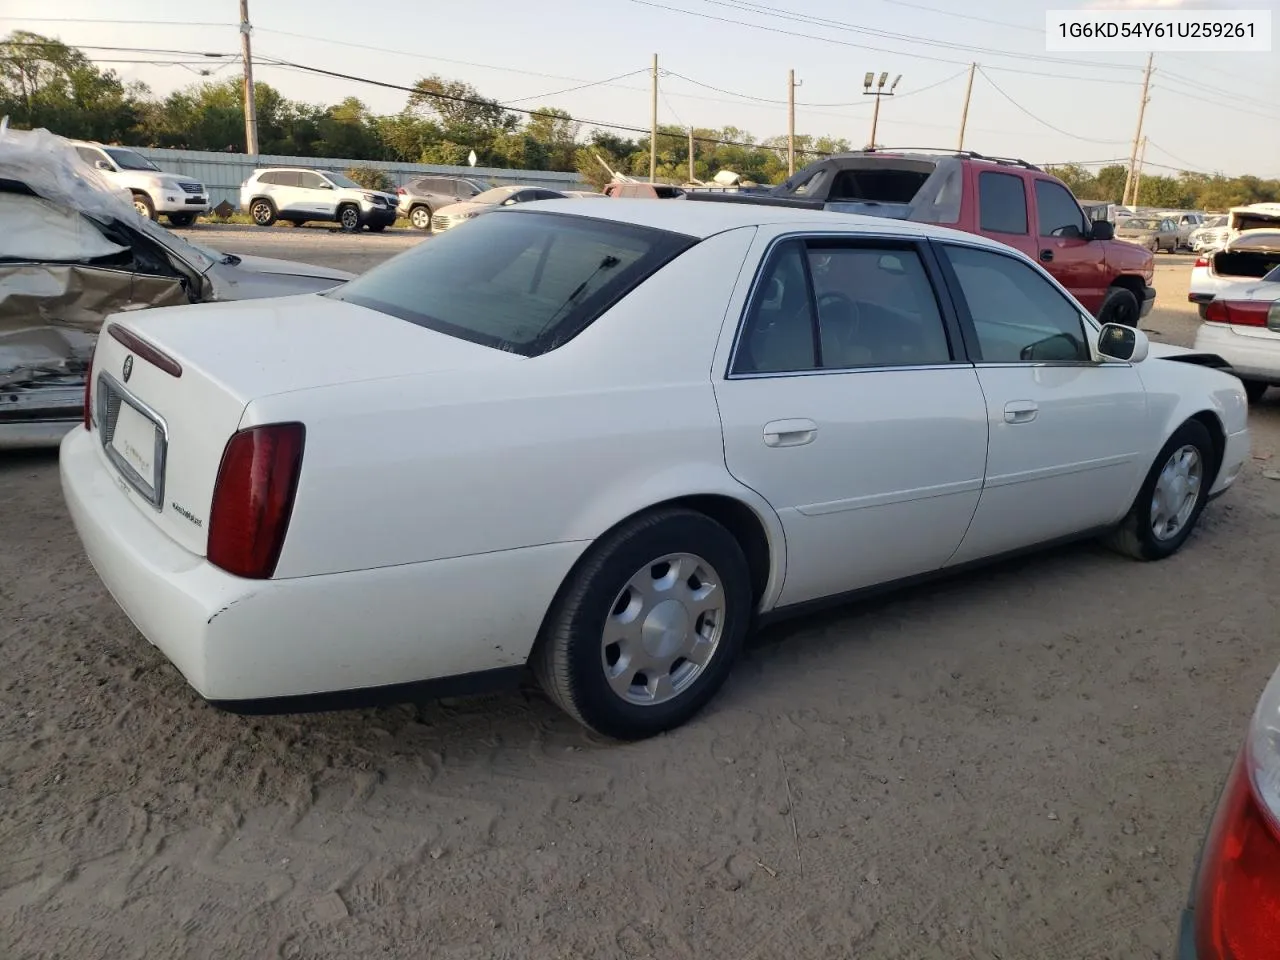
(1250, 357)
(237, 640)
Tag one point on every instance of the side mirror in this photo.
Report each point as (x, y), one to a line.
(1119, 342)
(1102, 230)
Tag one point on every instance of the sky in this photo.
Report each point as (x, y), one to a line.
(1209, 112)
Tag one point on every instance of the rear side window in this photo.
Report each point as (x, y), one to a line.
(523, 282)
(1002, 203)
(1017, 314)
(1059, 215)
(841, 306)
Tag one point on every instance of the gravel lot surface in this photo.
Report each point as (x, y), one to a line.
(1015, 764)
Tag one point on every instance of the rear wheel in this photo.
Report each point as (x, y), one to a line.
(1255, 389)
(377, 227)
(420, 217)
(647, 627)
(182, 219)
(1171, 498)
(349, 218)
(1119, 306)
(142, 203)
(263, 212)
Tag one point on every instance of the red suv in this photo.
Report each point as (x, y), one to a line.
(1007, 200)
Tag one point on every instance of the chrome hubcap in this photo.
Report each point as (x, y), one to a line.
(261, 212)
(421, 218)
(663, 629)
(140, 207)
(348, 218)
(1177, 490)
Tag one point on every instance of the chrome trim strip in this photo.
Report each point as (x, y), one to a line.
(836, 371)
(895, 496)
(1060, 470)
(155, 496)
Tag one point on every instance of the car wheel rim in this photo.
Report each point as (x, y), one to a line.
(1177, 490)
(348, 218)
(421, 219)
(141, 208)
(261, 213)
(663, 629)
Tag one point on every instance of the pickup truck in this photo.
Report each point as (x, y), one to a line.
(1007, 200)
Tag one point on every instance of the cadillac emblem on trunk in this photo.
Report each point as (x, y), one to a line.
(128, 367)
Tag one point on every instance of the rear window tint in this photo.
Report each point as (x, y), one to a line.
(1002, 203)
(886, 185)
(523, 282)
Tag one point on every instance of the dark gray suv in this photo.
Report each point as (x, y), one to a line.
(423, 196)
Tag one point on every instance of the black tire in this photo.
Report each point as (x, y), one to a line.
(1255, 389)
(377, 227)
(142, 203)
(263, 212)
(420, 217)
(349, 218)
(182, 219)
(1135, 536)
(570, 657)
(1120, 306)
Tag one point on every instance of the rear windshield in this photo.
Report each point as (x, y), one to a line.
(516, 281)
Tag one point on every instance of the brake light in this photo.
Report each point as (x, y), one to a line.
(1202, 261)
(1241, 313)
(1237, 900)
(253, 498)
(88, 390)
(400, 191)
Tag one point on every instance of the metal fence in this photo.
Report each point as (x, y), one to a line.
(222, 173)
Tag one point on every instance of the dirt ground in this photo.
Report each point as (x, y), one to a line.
(1014, 764)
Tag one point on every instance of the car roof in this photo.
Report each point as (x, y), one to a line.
(705, 219)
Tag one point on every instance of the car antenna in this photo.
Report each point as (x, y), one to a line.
(608, 261)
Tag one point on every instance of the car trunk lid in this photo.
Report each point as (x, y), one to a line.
(170, 387)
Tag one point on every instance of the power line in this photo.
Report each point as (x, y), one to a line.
(581, 86)
(1226, 106)
(288, 65)
(1174, 156)
(1043, 123)
(747, 96)
(965, 16)
(135, 23)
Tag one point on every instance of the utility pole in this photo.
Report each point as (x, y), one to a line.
(964, 114)
(250, 102)
(878, 93)
(1137, 135)
(791, 122)
(1137, 178)
(692, 176)
(653, 126)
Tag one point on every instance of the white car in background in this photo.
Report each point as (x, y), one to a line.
(1245, 259)
(297, 195)
(489, 201)
(1243, 327)
(606, 439)
(1211, 235)
(154, 192)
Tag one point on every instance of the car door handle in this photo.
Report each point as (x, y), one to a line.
(789, 433)
(1046, 255)
(1020, 411)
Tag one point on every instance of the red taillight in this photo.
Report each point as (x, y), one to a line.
(253, 498)
(88, 390)
(1243, 313)
(400, 191)
(1202, 261)
(1237, 900)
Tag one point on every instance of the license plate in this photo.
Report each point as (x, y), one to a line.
(134, 439)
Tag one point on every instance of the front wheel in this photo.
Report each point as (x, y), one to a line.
(420, 217)
(263, 212)
(1119, 306)
(182, 219)
(1171, 498)
(647, 627)
(349, 218)
(142, 203)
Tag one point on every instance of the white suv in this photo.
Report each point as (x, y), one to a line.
(155, 192)
(297, 195)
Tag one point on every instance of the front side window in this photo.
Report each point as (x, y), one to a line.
(836, 305)
(1002, 203)
(523, 282)
(311, 181)
(1017, 314)
(89, 155)
(1060, 216)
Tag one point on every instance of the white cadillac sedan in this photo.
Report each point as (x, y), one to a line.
(604, 440)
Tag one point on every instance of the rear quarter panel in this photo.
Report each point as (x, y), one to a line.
(552, 449)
